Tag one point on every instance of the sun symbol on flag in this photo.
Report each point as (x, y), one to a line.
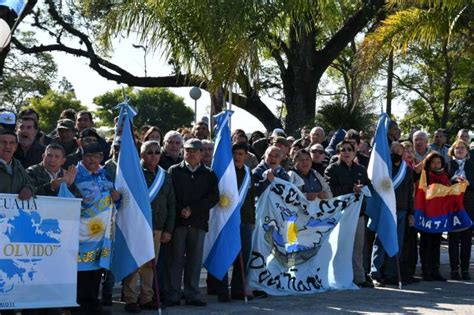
(386, 184)
(125, 197)
(95, 227)
(225, 200)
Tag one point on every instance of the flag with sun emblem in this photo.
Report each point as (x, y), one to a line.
(382, 206)
(222, 242)
(134, 235)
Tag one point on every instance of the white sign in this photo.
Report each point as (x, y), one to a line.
(39, 240)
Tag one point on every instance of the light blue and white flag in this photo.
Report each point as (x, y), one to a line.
(15, 5)
(222, 242)
(301, 246)
(134, 234)
(382, 207)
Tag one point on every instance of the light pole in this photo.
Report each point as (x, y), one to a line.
(195, 94)
(145, 48)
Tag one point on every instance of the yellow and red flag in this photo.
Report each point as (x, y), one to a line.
(440, 208)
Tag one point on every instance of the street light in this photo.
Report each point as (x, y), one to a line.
(195, 94)
(145, 48)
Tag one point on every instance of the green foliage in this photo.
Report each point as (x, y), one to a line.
(335, 115)
(156, 106)
(50, 106)
(26, 75)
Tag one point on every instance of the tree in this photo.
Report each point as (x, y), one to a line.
(213, 43)
(440, 35)
(25, 76)
(50, 106)
(156, 106)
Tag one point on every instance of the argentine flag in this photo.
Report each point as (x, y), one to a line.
(222, 242)
(134, 234)
(15, 5)
(382, 207)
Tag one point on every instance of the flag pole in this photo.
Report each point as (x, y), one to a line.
(398, 272)
(244, 280)
(157, 287)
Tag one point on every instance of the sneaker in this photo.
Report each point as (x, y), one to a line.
(378, 283)
(196, 303)
(132, 308)
(455, 275)
(466, 275)
(438, 277)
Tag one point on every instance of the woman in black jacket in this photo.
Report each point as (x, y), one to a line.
(461, 167)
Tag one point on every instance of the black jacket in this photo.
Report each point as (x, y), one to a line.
(167, 161)
(342, 178)
(198, 190)
(469, 193)
(404, 192)
(31, 157)
(42, 182)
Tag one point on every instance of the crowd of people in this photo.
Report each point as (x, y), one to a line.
(34, 162)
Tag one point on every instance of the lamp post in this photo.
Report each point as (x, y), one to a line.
(195, 94)
(145, 49)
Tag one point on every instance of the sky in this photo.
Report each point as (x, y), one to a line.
(88, 84)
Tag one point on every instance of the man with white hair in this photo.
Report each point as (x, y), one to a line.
(420, 141)
(317, 135)
(207, 151)
(268, 168)
(172, 143)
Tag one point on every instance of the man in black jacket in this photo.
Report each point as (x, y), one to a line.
(196, 191)
(384, 268)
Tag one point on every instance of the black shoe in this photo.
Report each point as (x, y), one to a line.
(168, 303)
(107, 300)
(378, 283)
(391, 281)
(455, 275)
(466, 275)
(365, 284)
(196, 303)
(240, 296)
(427, 277)
(224, 298)
(259, 294)
(132, 308)
(438, 277)
(152, 305)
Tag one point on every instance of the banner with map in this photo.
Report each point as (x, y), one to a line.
(39, 240)
(301, 246)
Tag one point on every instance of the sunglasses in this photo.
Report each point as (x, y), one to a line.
(317, 151)
(347, 150)
(153, 152)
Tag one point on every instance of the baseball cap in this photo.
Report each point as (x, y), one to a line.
(88, 132)
(193, 143)
(66, 124)
(8, 120)
(93, 147)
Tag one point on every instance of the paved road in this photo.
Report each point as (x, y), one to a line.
(455, 297)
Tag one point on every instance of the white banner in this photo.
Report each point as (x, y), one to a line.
(39, 240)
(301, 246)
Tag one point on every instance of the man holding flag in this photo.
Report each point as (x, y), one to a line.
(196, 192)
(382, 206)
(223, 241)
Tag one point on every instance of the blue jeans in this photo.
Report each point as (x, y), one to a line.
(382, 265)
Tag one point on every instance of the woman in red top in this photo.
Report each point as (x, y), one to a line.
(430, 243)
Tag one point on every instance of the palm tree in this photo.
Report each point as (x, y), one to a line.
(427, 24)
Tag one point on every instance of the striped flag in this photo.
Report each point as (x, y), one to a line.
(15, 5)
(134, 234)
(440, 208)
(222, 242)
(382, 206)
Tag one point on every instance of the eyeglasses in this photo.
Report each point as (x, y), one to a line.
(153, 152)
(317, 151)
(347, 150)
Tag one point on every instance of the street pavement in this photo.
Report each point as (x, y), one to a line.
(451, 297)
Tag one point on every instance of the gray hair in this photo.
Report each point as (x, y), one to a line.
(420, 133)
(272, 148)
(206, 141)
(148, 144)
(172, 134)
